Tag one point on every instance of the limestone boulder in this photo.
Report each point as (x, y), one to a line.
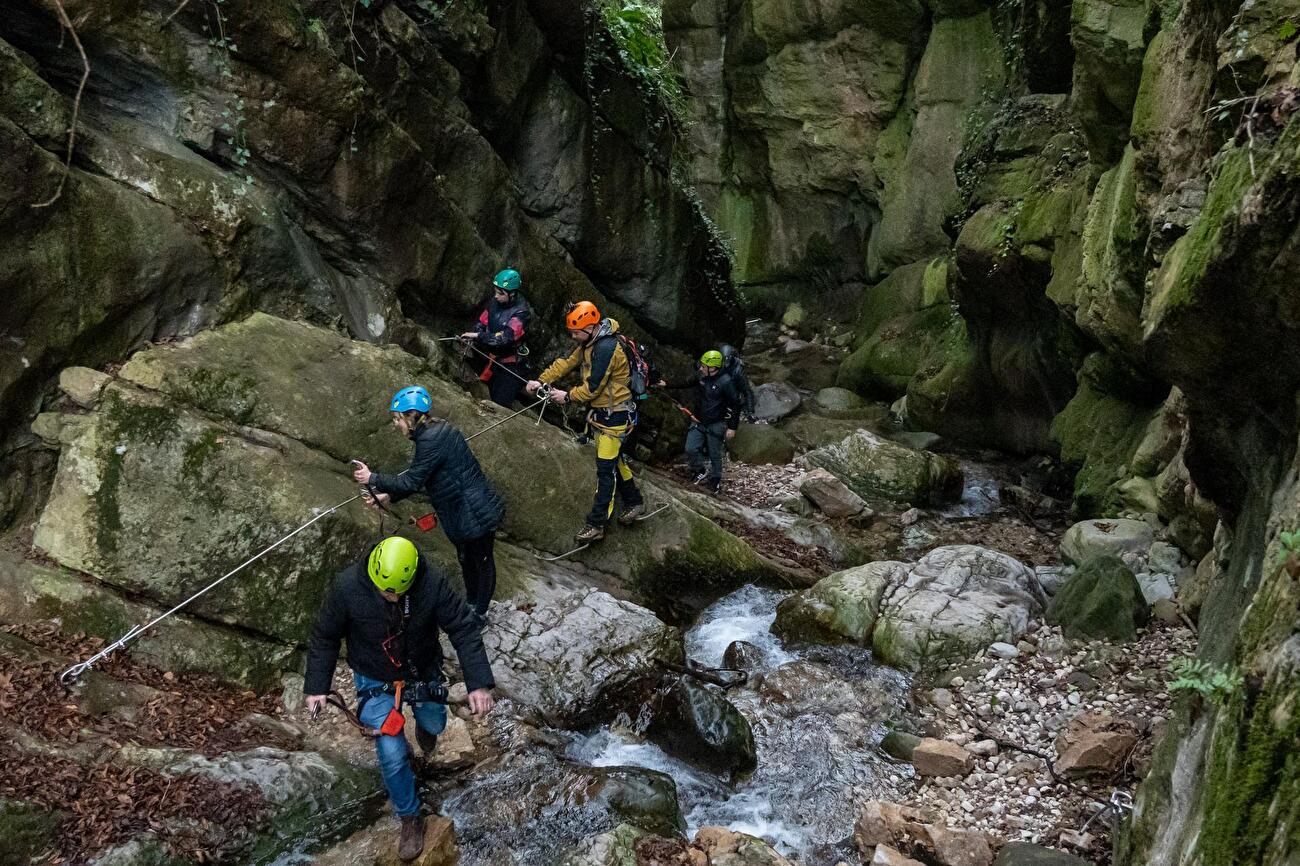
(698, 723)
(760, 444)
(723, 847)
(952, 604)
(83, 385)
(1094, 745)
(579, 654)
(878, 469)
(837, 403)
(933, 757)
(841, 608)
(831, 496)
(1088, 538)
(775, 400)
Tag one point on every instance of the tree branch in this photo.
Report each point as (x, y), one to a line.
(65, 24)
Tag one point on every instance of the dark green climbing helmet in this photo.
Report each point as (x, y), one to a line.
(509, 280)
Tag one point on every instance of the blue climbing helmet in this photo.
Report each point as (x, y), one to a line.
(412, 399)
(508, 279)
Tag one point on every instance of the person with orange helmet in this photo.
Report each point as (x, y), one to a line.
(605, 366)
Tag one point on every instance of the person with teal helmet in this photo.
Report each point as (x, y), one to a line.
(389, 606)
(499, 338)
(717, 415)
(448, 473)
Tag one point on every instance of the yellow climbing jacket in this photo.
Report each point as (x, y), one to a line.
(604, 372)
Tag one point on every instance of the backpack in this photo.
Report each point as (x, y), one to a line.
(734, 366)
(640, 375)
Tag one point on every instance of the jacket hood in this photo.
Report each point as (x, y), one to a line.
(605, 328)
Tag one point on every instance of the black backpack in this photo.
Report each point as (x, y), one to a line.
(640, 371)
(734, 366)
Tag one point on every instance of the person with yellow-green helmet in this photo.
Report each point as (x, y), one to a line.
(717, 415)
(389, 607)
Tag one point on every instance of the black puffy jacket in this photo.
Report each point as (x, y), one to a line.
(447, 471)
(718, 401)
(354, 611)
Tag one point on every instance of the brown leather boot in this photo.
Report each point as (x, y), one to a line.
(412, 842)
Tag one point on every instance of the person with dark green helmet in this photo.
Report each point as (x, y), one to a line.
(717, 415)
(389, 607)
(499, 338)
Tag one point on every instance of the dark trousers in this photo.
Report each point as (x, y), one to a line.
(612, 473)
(479, 568)
(706, 437)
(504, 388)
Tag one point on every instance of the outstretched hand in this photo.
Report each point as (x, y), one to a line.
(480, 701)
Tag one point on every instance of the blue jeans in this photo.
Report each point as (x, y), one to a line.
(394, 755)
(710, 438)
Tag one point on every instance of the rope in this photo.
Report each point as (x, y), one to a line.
(74, 672)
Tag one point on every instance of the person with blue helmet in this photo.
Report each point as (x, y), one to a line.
(499, 338)
(447, 472)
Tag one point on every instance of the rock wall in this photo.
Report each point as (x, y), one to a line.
(367, 171)
(1093, 256)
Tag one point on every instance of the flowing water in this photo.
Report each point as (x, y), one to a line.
(817, 715)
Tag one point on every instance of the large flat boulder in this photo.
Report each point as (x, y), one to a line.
(203, 452)
(878, 469)
(578, 654)
(949, 605)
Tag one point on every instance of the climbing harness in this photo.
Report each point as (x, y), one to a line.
(335, 699)
(74, 672)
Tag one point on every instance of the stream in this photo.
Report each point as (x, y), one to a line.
(817, 714)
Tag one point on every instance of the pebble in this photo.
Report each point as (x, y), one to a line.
(1003, 651)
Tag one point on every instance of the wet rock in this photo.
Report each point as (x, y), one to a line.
(876, 468)
(1089, 538)
(697, 723)
(900, 745)
(839, 608)
(1094, 745)
(830, 495)
(915, 439)
(725, 847)
(83, 385)
(775, 400)
(614, 848)
(941, 758)
(761, 444)
(580, 653)
(1025, 854)
(532, 804)
(742, 656)
(1102, 599)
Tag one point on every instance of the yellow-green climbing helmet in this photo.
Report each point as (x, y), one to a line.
(711, 358)
(392, 564)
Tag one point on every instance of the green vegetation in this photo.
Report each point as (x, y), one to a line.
(637, 29)
(1214, 685)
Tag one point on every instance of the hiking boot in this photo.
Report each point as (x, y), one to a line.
(713, 485)
(701, 478)
(630, 514)
(411, 844)
(590, 534)
(428, 742)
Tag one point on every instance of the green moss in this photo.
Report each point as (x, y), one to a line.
(1098, 435)
(1187, 261)
(1253, 784)
(198, 469)
(222, 392)
(26, 830)
(107, 510)
(137, 422)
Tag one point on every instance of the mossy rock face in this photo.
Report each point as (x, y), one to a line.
(227, 441)
(841, 608)
(761, 444)
(1100, 600)
(876, 469)
(30, 590)
(701, 725)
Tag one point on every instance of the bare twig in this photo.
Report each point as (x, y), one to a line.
(65, 25)
(1250, 134)
(178, 10)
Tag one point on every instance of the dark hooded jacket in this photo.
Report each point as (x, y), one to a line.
(354, 611)
(467, 504)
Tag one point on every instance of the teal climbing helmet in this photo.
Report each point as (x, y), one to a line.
(412, 399)
(508, 279)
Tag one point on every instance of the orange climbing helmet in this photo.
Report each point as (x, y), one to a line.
(581, 314)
